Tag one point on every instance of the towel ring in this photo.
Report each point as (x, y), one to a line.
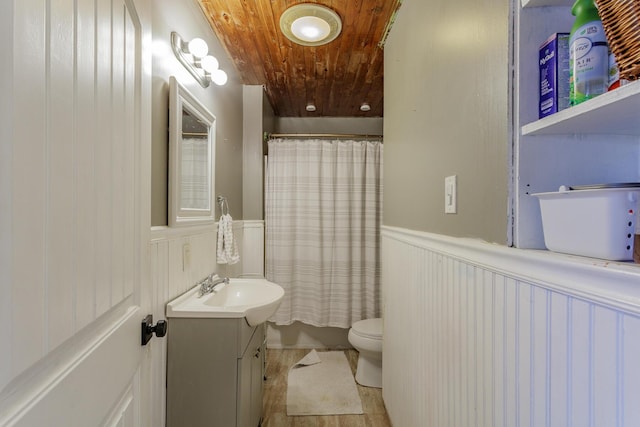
(224, 206)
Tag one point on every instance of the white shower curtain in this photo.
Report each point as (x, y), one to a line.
(323, 210)
(195, 177)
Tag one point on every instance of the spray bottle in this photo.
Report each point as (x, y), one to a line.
(588, 54)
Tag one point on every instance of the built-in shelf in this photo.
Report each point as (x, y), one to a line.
(616, 112)
(540, 3)
(597, 141)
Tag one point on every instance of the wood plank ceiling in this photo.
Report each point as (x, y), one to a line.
(337, 77)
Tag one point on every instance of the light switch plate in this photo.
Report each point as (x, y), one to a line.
(451, 194)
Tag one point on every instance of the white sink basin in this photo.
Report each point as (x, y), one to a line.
(254, 299)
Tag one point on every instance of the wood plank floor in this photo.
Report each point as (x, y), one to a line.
(274, 404)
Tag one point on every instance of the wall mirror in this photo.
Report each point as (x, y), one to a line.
(192, 135)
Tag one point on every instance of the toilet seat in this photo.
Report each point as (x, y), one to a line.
(368, 328)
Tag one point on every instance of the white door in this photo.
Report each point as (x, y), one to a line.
(74, 212)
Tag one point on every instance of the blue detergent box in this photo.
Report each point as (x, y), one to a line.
(554, 74)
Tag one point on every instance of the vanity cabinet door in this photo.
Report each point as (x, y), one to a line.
(257, 379)
(250, 377)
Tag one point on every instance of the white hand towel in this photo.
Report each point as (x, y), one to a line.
(227, 251)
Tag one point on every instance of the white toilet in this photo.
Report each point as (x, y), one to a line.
(366, 337)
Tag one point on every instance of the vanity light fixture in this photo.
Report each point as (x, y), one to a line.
(310, 24)
(193, 55)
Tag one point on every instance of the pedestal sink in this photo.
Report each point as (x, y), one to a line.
(254, 299)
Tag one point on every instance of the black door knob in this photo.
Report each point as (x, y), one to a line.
(160, 329)
(148, 329)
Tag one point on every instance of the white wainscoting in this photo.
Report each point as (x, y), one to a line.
(172, 275)
(253, 249)
(477, 334)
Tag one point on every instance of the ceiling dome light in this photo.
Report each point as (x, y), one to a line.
(310, 24)
(198, 48)
(365, 107)
(311, 108)
(310, 28)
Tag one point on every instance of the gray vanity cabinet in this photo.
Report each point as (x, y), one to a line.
(215, 371)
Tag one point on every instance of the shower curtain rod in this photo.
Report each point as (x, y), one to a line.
(268, 136)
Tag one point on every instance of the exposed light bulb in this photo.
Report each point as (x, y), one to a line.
(209, 64)
(219, 77)
(198, 47)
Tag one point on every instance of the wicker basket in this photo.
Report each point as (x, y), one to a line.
(621, 22)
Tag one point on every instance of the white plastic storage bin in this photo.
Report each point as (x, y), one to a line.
(597, 221)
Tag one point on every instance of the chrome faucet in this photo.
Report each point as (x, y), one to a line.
(210, 284)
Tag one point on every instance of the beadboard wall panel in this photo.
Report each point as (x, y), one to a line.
(253, 248)
(174, 274)
(480, 334)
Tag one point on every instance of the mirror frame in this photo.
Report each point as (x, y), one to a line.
(181, 99)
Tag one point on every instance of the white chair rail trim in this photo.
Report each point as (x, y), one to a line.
(612, 284)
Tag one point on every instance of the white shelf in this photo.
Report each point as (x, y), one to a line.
(595, 141)
(616, 112)
(540, 3)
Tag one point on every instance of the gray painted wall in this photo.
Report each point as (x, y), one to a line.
(225, 102)
(356, 125)
(447, 113)
(258, 118)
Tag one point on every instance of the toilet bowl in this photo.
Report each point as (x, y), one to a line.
(366, 337)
